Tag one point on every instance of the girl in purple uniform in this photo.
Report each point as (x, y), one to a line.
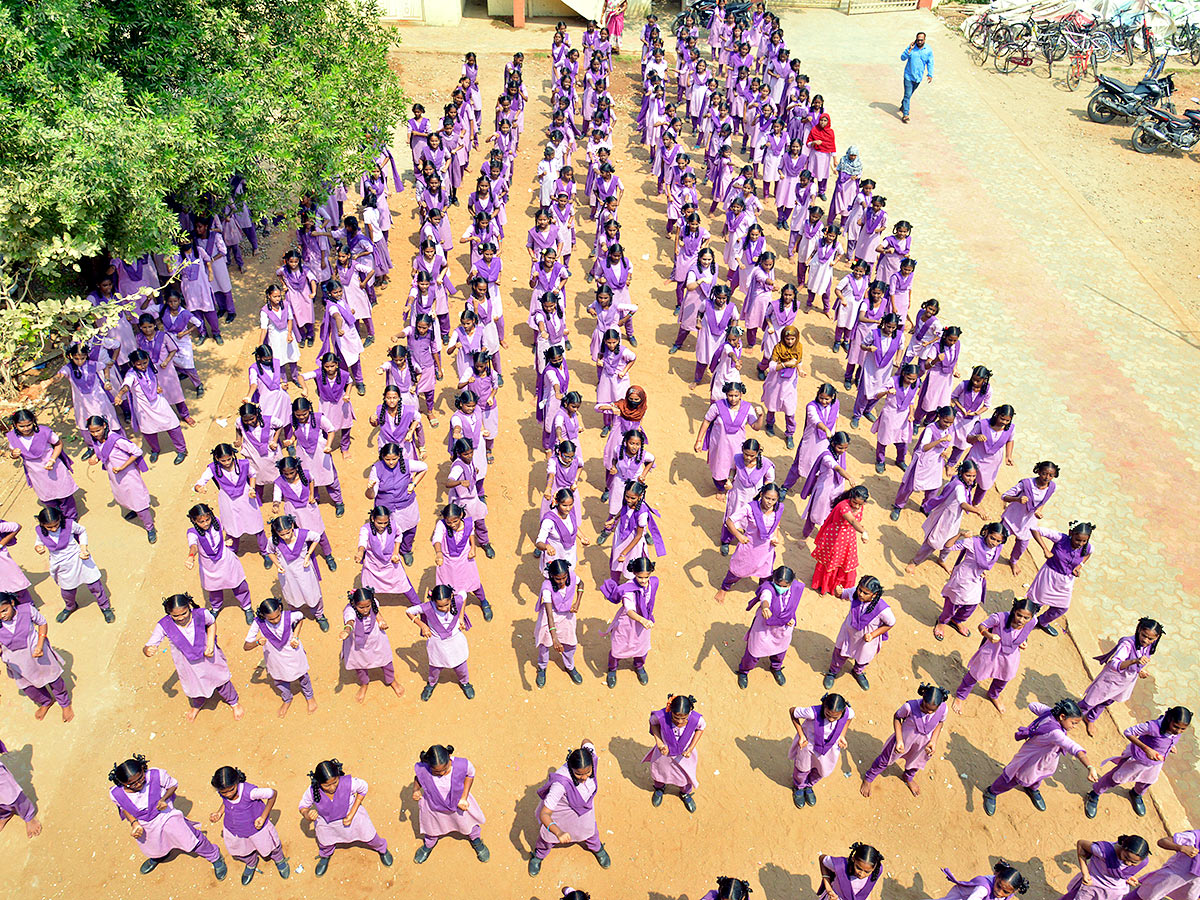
(445, 802)
(863, 631)
(966, 588)
(1141, 762)
(246, 828)
(567, 811)
(333, 802)
(1121, 668)
(443, 623)
(1054, 583)
(237, 497)
(365, 645)
(1005, 635)
(1107, 869)
(44, 459)
(30, 659)
(1179, 876)
(1045, 740)
(276, 631)
(820, 738)
(191, 635)
(1023, 506)
(676, 729)
(145, 798)
(1004, 882)
(220, 569)
(851, 877)
(14, 802)
(917, 726)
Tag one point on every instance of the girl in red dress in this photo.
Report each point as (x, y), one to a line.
(836, 550)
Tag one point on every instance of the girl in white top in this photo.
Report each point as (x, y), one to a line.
(71, 565)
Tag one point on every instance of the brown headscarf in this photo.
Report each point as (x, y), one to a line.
(633, 405)
(788, 357)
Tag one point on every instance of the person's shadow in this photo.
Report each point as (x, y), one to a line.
(629, 755)
(892, 109)
(769, 756)
(780, 884)
(725, 639)
(19, 761)
(524, 831)
(975, 768)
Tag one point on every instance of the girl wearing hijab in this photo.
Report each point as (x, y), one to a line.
(845, 189)
(823, 146)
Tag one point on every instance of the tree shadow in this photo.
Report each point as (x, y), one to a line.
(725, 639)
(780, 884)
(974, 768)
(629, 755)
(523, 832)
(768, 756)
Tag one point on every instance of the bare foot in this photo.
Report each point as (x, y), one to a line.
(361, 695)
(40, 712)
(33, 828)
(395, 686)
(913, 787)
(283, 710)
(939, 631)
(865, 788)
(962, 629)
(68, 713)
(1015, 565)
(720, 596)
(4, 822)
(910, 568)
(1088, 726)
(957, 706)
(312, 705)
(999, 704)
(941, 562)
(238, 712)
(191, 714)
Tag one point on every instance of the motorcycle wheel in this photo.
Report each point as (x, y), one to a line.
(1098, 112)
(1005, 61)
(1143, 141)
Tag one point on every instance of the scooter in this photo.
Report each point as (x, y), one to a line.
(1111, 98)
(1157, 129)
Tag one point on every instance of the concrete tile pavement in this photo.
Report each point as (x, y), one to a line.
(1081, 337)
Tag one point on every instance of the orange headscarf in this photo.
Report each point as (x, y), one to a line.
(633, 405)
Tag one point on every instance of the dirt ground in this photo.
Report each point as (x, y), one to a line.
(515, 734)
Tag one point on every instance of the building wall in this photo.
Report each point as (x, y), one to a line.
(431, 12)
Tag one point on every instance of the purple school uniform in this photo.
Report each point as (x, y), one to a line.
(823, 483)
(1133, 765)
(18, 638)
(457, 569)
(814, 439)
(863, 618)
(916, 733)
(128, 488)
(164, 829)
(967, 586)
(367, 646)
(378, 570)
(943, 516)
(1044, 742)
(1054, 583)
(770, 631)
(818, 757)
(200, 676)
(1019, 517)
(300, 580)
(220, 569)
(939, 376)
(844, 886)
(1108, 875)
(572, 808)
(89, 394)
(755, 559)
(723, 439)
(331, 832)
(240, 510)
(243, 840)
(1179, 876)
(1113, 684)
(894, 425)
(672, 767)
(1000, 660)
(988, 454)
(629, 639)
(438, 811)
(35, 450)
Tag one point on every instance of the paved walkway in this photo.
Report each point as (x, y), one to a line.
(1082, 344)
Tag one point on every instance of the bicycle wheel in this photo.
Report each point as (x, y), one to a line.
(1057, 48)
(1074, 71)
(1006, 55)
(1020, 31)
(978, 34)
(1195, 54)
(1102, 47)
(980, 52)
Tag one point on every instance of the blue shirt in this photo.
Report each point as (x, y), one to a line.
(918, 63)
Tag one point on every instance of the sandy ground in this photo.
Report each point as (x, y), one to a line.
(746, 824)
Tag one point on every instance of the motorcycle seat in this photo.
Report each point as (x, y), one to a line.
(1193, 115)
(1141, 89)
(1110, 82)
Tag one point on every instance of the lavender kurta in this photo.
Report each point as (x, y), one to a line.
(967, 584)
(1000, 659)
(1111, 684)
(220, 569)
(201, 678)
(805, 759)
(1179, 877)
(851, 642)
(672, 767)
(18, 638)
(165, 830)
(285, 663)
(916, 733)
(1037, 759)
(367, 647)
(755, 559)
(436, 823)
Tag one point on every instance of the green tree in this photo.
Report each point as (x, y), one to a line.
(111, 108)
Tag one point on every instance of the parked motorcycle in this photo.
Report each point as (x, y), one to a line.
(1112, 98)
(1157, 129)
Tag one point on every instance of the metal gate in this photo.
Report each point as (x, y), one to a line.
(873, 6)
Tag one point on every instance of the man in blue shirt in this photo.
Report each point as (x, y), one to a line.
(918, 64)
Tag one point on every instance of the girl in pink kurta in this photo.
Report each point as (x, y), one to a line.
(783, 374)
(89, 393)
(1045, 739)
(1023, 505)
(454, 547)
(152, 413)
(943, 516)
(237, 497)
(941, 368)
(46, 464)
(825, 480)
(294, 551)
(725, 429)
(895, 422)
(310, 437)
(633, 462)
(276, 631)
(246, 827)
(556, 626)
(1121, 668)
(676, 729)
(445, 803)
(122, 461)
(145, 798)
(163, 349)
(567, 811)
(1005, 635)
(1004, 882)
(295, 490)
(256, 437)
(863, 631)
(1179, 876)
(966, 588)
(30, 659)
(333, 802)
(751, 472)
(1107, 869)
(717, 318)
(365, 645)
(851, 877)
(635, 527)
(380, 557)
(630, 630)
(820, 738)
(14, 801)
(930, 450)
(13, 579)
(990, 442)
(1054, 584)
(917, 726)
(755, 528)
(820, 420)
(191, 634)
(220, 569)
(1141, 762)
(770, 632)
(442, 621)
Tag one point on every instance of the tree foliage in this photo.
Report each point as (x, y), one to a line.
(109, 109)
